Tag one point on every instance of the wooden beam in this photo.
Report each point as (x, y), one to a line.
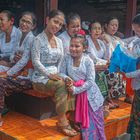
(39, 11)
(130, 13)
(53, 4)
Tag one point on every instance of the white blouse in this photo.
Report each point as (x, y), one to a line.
(66, 41)
(101, 55)
(45, 59)
(84, 72)
(133, 45)
(113, 41)
(25, 49)
(7, 48)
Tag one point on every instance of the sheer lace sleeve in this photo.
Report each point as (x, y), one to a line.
(90, 79)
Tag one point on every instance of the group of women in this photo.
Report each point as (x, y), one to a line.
(63, 67)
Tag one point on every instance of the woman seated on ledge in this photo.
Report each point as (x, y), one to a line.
(10, 82)
(9, 37)
(47, 54)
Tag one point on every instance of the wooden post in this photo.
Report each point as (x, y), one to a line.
(42, 8)
(130, 13)
(39, 11)
(53, 4)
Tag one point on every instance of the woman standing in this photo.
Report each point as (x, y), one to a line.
(80, 80)
(134, 123)
(47, 54)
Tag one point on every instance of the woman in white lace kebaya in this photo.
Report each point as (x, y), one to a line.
(47, 55)
(134, 47)
(73, 26)
(15, 79)
(80, 80)
(115, 80)
(97, 50)
(9, 36)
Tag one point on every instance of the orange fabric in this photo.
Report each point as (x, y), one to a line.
(129, 91)
(3, 72)
(29, 65)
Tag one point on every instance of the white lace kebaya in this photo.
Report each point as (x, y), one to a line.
(45, 58)
(84, 72)
(6, 49)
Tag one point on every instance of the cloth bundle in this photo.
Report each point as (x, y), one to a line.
(120, 61)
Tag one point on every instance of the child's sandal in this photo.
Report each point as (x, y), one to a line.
(66, 130)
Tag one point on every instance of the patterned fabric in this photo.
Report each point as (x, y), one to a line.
(6, 49)
(57, 90)
(134, 123)
(115, 83)
(101, 81)
(96, 129)
(84, 72)
(98, 55)
(10, 85)
(43, 56)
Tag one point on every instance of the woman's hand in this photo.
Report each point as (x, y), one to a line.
(54, 77)
(101, 67)
(69, 82)
(69, 85)
(70, 89)
(3, 74)
(104, 38)
(17, 57)
(4, 63)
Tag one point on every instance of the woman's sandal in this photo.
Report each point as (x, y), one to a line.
(66, 130)
(1, 123)
(75, 126)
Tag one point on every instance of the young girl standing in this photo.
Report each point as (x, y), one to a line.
(80, 81)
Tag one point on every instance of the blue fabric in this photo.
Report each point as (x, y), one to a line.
(121, 62)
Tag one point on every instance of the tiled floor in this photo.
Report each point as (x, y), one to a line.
(23, 127)
(123, 137)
